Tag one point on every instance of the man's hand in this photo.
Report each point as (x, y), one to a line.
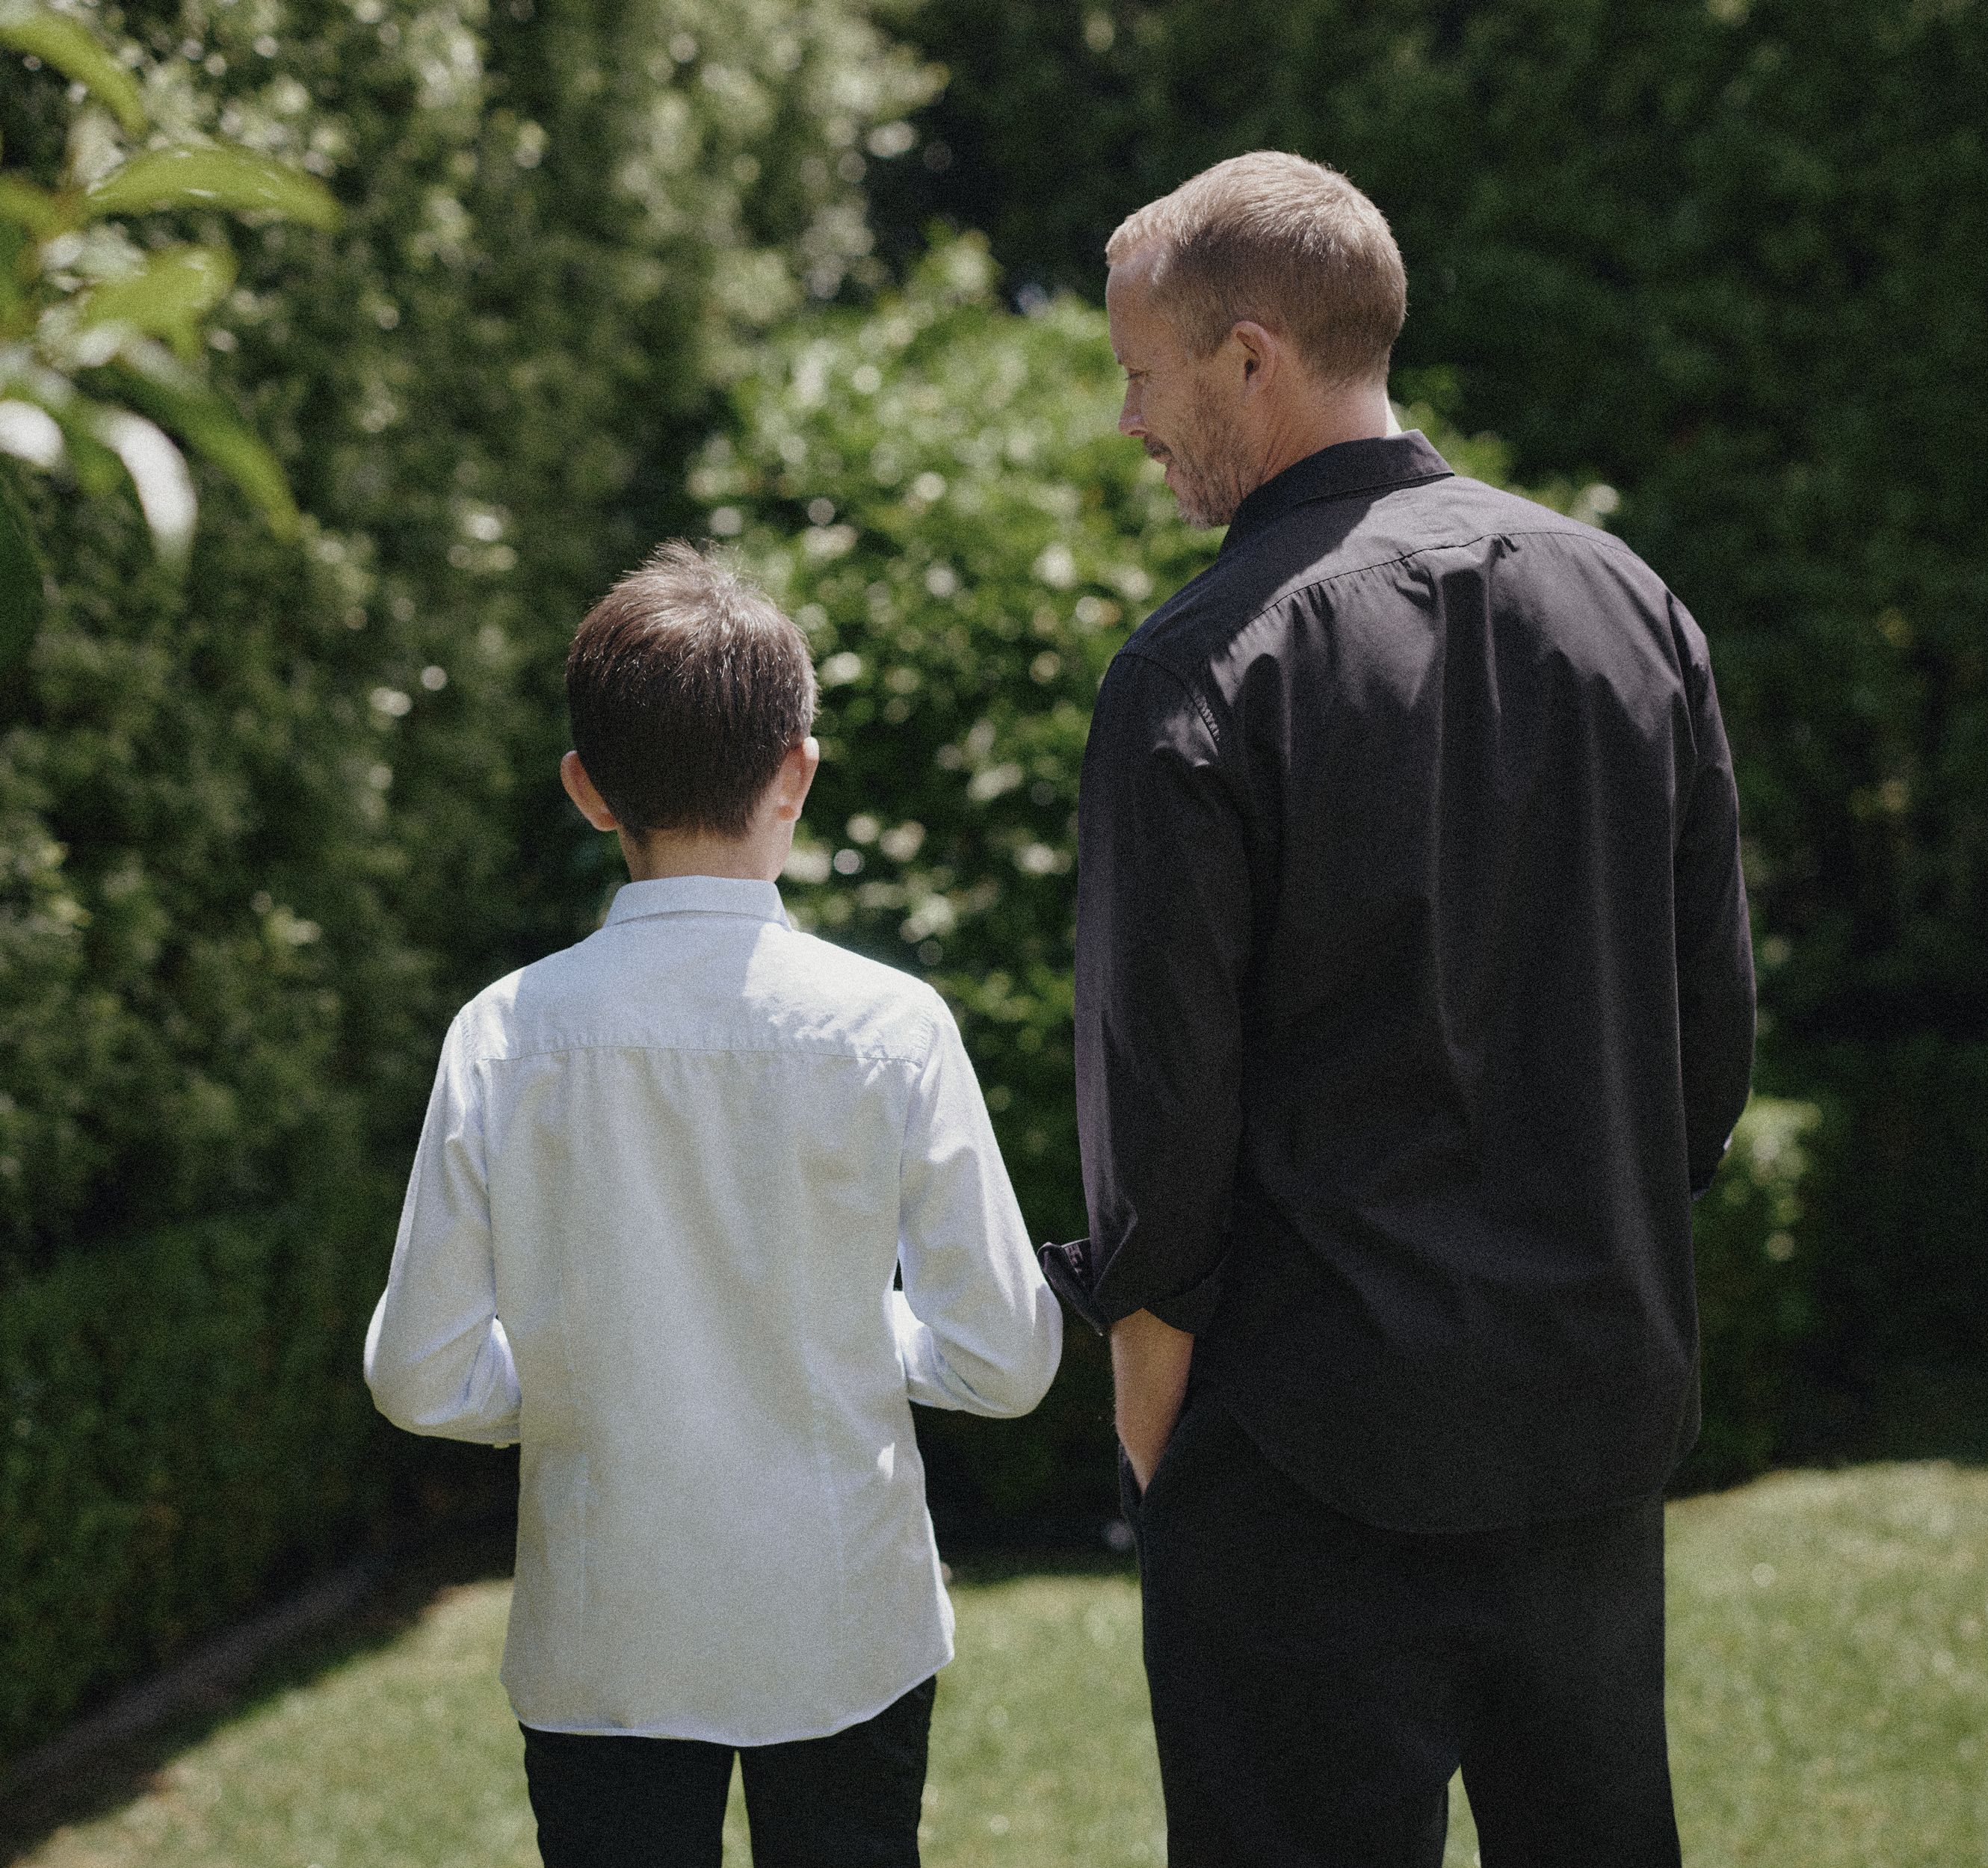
(1149, 1365)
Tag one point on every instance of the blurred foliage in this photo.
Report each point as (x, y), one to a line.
(91, 322)
(1756, 1304)
(934, 488)
(261, 827)
(1725, 256)
(1896, 1200)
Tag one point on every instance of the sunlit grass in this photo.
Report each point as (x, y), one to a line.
(1829, 1709)
(1829, 1670)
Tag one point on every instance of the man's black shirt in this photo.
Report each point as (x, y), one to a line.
(1415, 997)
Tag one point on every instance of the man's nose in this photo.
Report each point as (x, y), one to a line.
(1131, 420)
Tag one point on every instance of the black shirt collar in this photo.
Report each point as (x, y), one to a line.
(1371, 466)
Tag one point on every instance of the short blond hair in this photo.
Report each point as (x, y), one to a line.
(1290, 245)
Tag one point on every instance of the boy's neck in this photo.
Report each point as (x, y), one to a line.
(760, 856)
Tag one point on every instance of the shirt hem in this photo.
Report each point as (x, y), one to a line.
(697, 1731)
(1473, 1525)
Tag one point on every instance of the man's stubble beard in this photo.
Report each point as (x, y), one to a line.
(1212, 475)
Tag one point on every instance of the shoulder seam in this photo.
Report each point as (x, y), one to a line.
(1180, 681)
(1587, 535)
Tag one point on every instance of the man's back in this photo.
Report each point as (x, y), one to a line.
(1413, 1000)
(702, 1139)
(1441, 773)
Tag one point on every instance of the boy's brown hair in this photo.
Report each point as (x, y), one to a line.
(686, 685)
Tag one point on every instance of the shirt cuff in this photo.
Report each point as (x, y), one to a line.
(919, 1356)
(1068, 1271)
(1192, 1309)
(1072, 1273)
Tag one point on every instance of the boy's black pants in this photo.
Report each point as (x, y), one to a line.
(850, 1800)
(1316, 1681)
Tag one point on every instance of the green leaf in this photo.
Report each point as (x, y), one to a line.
(189, 176)
(76, 52)
(167, 296)
(179, 402)
(29, 433)
(98, 471)
(158, 470)
(21, 596)
(28, 206)
(215, 433)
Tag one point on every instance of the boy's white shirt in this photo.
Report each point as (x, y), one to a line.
(665, 1179)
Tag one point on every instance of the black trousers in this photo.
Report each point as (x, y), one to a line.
(850, 1800)
(1316, 1681)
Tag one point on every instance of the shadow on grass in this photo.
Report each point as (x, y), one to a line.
(1930, 1414)
(109, 1776)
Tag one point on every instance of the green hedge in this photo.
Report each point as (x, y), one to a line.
(1898, 1196)
(181, 1417)
(1756, 1292)
(259, 829)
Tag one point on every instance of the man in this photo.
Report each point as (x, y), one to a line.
(1414, 1006)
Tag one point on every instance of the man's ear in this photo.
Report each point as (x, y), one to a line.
(798, 766)
(580, 788)
(1263, 354)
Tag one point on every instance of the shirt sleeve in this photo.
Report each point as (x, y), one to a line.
(1164, 920)
(1715, 953)
(976, 1326)
(437, 1358)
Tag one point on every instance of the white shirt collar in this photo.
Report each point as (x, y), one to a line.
(698, 895)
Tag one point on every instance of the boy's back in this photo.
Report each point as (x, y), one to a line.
(699, 1137)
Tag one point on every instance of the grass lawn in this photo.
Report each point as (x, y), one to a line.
(1829, 1709)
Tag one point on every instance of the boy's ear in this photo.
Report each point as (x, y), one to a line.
(579, 788)
(796, 775)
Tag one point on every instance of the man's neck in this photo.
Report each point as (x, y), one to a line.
(1357, 414)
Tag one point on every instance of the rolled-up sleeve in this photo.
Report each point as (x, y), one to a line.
(1714, 953)
(1163, 940)
(437, 1358)
(976, 1325)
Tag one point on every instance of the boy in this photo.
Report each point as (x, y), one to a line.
(665, 1181)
